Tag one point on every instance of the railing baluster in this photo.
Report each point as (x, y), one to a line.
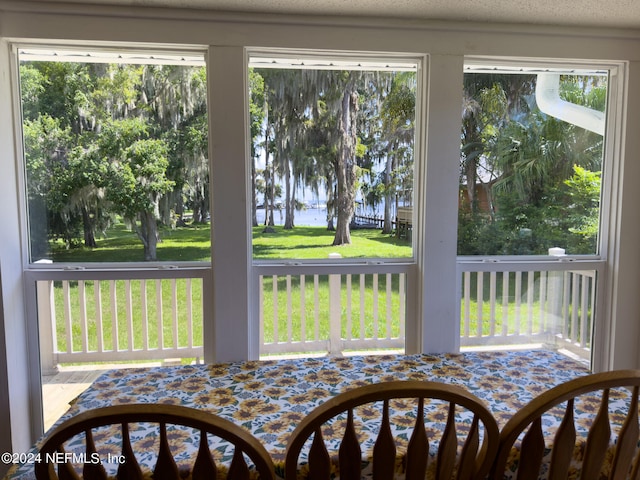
(584, 313)
(492, 304)
(289, 310)
(189, 313)
(389, 304)
(480, 303)
(67, 315)
(144, 312)
(375, 306)
(517, 315)
(82, 298)
(159, 314)
(113, 300)
(575, 295)
(274, 293)
(174, 313)
(543, 301)
(467, 304)
(363, 330)
(530, 287)
(316, 296)
(260, 307)
(97, 300)
(505, 303)
(348, 307)
(403, 299)
(303, 309)
(566, 302)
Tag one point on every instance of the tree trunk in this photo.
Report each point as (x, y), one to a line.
(288, 202)
(88, 225)
(148, 234)
(345, 166)
(387, 225)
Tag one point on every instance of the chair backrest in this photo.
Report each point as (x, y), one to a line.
(586, 450)
(53, 452)
(443, 408)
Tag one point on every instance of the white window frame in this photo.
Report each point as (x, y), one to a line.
(407, 266)
(603, 325)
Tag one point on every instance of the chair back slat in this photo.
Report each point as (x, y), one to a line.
(384, 450)
(627, 441)
(418, 449)
(597, 440)
(129, 468)
(469, 450)
(448, 450)
(238, 470)
(596, 456)
(635, 473)
(563, 445)
(533, 445)
(161, 417)
(480, 440)
(350, 454)
(204, 467)
(319, 460)
(166, 468)
(92, 469)
(65, 470)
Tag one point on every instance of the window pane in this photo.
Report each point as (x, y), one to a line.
(531, 161)
(116, 156)
(333, 158)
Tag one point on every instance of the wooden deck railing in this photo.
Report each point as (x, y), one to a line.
(332, 313)
(133, 315)
(89, 316)
(507, 304)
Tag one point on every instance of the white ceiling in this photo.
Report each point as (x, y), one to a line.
(606, 13)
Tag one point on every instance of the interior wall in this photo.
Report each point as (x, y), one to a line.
(444, 44)
(14, 365)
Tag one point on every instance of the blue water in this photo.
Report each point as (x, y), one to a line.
(310, 217)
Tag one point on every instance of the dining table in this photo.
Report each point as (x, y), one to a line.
(270, 397)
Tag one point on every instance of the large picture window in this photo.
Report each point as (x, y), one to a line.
(332, 142)
(116, 158)
(531, 160)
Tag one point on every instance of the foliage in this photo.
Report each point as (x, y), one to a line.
(541, 174)
(108, 139)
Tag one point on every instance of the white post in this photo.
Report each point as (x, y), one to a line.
(555, 289)
(335, 312)
(47, 327)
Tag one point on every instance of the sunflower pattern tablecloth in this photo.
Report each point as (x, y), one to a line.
(269, 398)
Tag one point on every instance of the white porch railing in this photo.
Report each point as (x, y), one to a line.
(157, 314)
(507, 303)
(111, 316)
(321, 309)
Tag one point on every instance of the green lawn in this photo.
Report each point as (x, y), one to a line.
(192, 244)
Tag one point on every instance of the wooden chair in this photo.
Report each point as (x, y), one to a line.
(165, 468)
(598, 388)
(473, 461)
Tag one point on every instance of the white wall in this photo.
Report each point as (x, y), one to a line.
(14, 367)
(444, 44)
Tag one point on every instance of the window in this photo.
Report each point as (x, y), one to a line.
(532, 191)
(333, 146)
(116, 155)
(531, 160)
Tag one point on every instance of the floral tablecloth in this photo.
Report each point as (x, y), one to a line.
(269, 398)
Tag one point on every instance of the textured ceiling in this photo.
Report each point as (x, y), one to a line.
(605, 13)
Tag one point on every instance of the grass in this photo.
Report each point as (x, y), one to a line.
(192, 244)
(316, 243)
(282, 313)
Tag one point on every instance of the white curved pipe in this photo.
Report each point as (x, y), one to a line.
(549, 102)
